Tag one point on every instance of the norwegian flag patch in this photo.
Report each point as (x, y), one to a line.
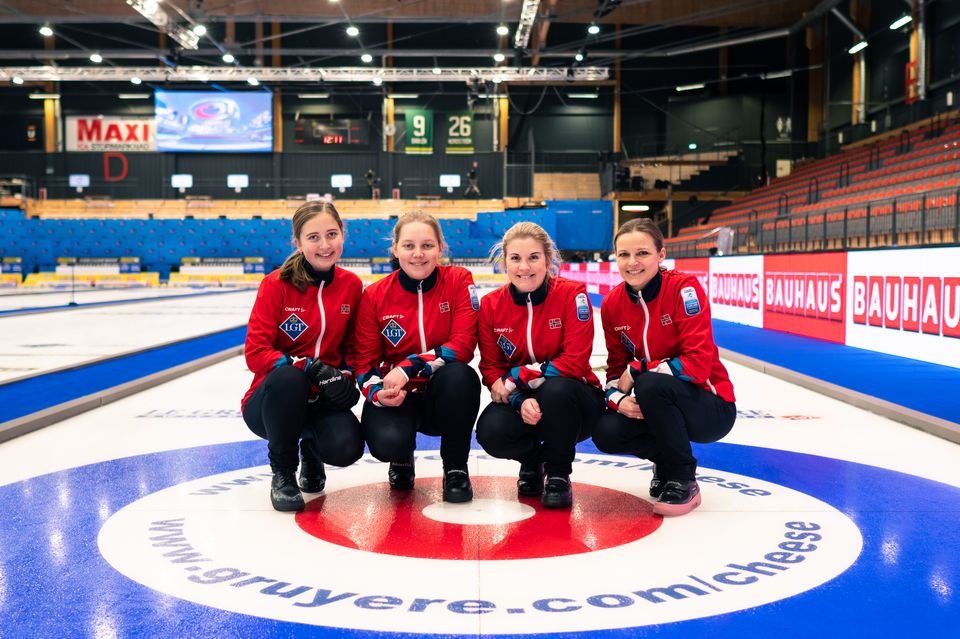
(506, 345)
(665, 320)
(293, 327)
(393, 332)
(444, 307)
(344, 309)
(555, 322)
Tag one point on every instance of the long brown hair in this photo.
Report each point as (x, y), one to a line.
(294, 269)
(641, 225)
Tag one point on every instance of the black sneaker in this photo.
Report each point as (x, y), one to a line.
(401, 474)
(312, 478)
(456, 486)
(284, 493)
(656, 484)
(677, 498)
(557, 493)
(530, 481)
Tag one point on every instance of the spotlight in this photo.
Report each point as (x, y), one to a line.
(17, 79)
(135, 80)
(200, 30)
(96, 57)
(593, 29)
(46, 31)
(366, 57)
(437, 71)
(579, 56)
(252, 81)
(228, 58)
(503, 30)
(499, 57)
(378, 80)
(352, 31)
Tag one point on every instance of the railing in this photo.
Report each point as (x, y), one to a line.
(922, 219)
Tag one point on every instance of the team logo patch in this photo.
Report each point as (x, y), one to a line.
(344, 309)
(555, 322)
(691, 304)
(393, 332)
(665, 320)
(629, 345)
(506, 345)
(474, 298)
(444, 307)
(583, 307)
(293, 327)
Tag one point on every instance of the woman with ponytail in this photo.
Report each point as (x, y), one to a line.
(302, 391)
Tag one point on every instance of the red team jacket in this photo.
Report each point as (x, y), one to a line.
(315, 323)
(416, 325)
(526, 338)
(666, 329)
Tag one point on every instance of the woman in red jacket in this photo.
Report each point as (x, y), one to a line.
(416, 333)
(302, 392)
(536, 336)
(665, 385)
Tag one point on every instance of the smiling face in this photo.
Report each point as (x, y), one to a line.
(638, 258)
(418, 249)
(321, 242)
(526, 263)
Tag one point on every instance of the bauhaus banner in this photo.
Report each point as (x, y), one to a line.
(108, 133)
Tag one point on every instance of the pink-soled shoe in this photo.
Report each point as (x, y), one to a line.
(677, 498)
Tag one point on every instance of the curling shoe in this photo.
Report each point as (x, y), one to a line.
(530, 481)
(677, 498)
(401, 474)
(456, 486)
(558, 493)
(284, 493)
(312, 478)
(656, 484)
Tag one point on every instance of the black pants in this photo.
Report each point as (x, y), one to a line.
(278, 411)
(446, 408)
(569, 408)
(675, 413)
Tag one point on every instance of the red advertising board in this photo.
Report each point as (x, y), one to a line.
(806, 294)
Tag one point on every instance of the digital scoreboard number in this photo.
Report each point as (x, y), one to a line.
(332, 133)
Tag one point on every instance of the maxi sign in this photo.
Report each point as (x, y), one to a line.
(110, 133)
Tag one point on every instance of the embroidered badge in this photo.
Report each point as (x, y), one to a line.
(555, 322)
(444, 307)
(393, 332)
(293, 327)
(344, 309)
(691, 304)
(628, 344)
(474, 298)
(506, 345)
(665, 320)
(583, 307)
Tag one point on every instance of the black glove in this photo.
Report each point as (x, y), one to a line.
(337, 390)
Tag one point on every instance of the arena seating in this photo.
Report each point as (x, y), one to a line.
(895, 192)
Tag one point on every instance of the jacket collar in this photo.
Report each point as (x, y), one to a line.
(411, 285)
(319, 277)
(649, 292)
(536, 297)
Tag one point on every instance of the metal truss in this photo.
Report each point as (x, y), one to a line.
(291, 74)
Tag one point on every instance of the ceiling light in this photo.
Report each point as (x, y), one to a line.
(777, 74)
(252, 81)
(366, 57)
(17, 79)
(133, 96)
(499, 57)
(593, 29)
(860, 46)
(404, 96)
(200, 30)
(135, 80)
(437, 71)
(46, 31)
(497, 79)
(584, 96)
(503, 29)
(635, 207)
(692, 146)
(578, 57)
(228, 58)
(313, 96)
(352, 31)
(96, 57)
(44, 96)
(378, 80)
(690, 87)
(899, 22)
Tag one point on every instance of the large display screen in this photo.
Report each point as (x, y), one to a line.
(214, 121)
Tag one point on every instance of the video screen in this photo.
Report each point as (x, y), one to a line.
(212, 121)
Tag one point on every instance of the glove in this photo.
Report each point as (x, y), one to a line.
(337, 390)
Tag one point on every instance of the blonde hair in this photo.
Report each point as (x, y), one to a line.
(534, 231)
(423, 218)
(294, 269)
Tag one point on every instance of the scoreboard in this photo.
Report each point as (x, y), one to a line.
(332, 133)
